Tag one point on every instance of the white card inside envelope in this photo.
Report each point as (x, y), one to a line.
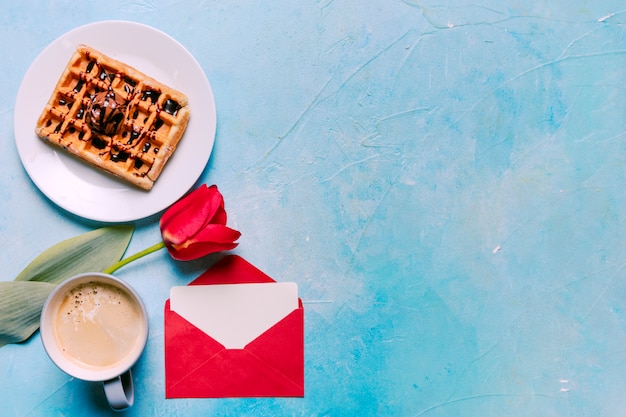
(234, 314)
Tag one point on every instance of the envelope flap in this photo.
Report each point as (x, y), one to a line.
(231, 269)
(234, 314)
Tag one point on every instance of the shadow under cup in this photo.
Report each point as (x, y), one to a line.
(94, 327)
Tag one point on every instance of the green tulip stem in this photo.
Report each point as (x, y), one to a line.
(134, 257)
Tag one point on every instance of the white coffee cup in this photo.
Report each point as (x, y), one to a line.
(94, 327)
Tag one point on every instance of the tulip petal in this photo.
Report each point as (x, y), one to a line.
(199, 250)
(215, 238)
(216, 233)
(220, 215)
(190, 214)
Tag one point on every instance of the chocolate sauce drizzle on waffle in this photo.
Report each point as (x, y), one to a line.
(124, 118)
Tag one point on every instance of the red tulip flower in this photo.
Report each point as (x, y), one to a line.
(195, 226)
(191, 228)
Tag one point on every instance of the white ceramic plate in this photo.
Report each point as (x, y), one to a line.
(84, 190)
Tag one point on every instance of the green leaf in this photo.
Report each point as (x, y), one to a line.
(20, 308)
(21, 300)
(90, 252)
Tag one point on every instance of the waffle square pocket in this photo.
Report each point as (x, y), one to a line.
(114, 117)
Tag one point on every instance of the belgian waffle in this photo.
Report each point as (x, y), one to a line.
(132, 135)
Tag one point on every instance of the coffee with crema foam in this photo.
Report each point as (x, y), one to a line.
(98, 324)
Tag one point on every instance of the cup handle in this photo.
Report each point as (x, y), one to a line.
(120, 391)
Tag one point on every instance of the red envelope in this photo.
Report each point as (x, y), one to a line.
(197, 366)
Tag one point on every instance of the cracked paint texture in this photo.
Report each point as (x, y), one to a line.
(443, 180)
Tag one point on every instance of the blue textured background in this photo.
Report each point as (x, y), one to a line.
(444, 180)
